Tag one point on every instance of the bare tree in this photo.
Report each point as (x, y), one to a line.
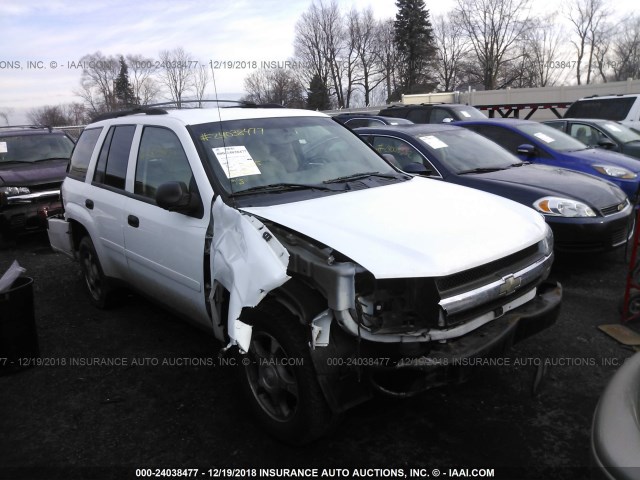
(200, 82)
(53, 116)
(176, 73)
(542, 44)
(494, 28)
(587, 18)
(98, 80)
(387, 58)
(363, 34)
(452, 49)
(4, 114)
(141, 76)
(277, 86)
(625, 50)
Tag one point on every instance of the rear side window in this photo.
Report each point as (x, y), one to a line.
(607, 108)
(114, 156)
(505, 138)
(418, 115)
(82, 153)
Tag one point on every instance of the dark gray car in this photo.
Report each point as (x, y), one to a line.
(600, 133)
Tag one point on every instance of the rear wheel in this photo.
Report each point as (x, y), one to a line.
(279, 380)
(95, 280)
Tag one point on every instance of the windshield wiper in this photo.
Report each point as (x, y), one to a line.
(52, 158)
(13, 161)
(282, 187)
(359, 176)
(481, 170)
(519, 164)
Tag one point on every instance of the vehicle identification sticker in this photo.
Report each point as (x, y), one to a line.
(236, 161)
(433, 142)
(543, 137)
(3, 147)
(612, 127)
(465, 113)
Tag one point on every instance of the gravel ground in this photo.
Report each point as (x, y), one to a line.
(84, 421)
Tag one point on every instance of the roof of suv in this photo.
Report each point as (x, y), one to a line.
(191, 116)
(15, 130)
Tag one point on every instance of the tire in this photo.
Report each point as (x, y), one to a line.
(97, 284)
(285, 399)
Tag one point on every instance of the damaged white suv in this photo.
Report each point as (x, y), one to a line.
(282, 233)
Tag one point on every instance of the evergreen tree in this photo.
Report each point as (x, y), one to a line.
(318, 97)
(123, 91)
(416, 45)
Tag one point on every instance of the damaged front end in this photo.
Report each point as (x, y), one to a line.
(396, 335)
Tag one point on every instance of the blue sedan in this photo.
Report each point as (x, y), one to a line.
(585, 213)
(538, 143)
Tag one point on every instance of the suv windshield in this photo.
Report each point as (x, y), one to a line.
(552, 138)
(261, 152)
(33, 148)
(466, 151)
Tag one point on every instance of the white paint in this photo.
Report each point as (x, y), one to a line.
(417, 228)
(245, 263)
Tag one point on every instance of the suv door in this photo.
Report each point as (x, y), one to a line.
(105, 203)
(164, 249)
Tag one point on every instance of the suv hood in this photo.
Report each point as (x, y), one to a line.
(416, 228)
(528, 183)
(29, 174)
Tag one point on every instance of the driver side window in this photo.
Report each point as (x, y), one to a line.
(161, 159)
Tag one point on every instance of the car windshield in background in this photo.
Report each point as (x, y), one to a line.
(469, 113)
(34, 148)
(552, 138)
(464, 151)
(622, 133)
(263, 152)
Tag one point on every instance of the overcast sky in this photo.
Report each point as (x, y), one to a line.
(55, 34)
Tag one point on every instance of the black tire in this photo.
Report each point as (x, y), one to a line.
(97, 284)
(286, 399)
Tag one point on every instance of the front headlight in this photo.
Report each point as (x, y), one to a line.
(12, 191)
(547, 243)
(563, 207)
(615, 172)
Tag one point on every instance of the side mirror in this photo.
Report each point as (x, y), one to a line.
(607, 144)
(175, 197)
(526, 149)
(417, 168)
(447, 120)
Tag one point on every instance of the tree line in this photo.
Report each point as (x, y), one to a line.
(349, 58)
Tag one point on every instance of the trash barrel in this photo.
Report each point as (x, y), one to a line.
(18, 335)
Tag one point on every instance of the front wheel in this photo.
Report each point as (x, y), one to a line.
(279, 380)
(95, 280)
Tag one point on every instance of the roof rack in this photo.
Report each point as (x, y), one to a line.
(28, 126)
(133, 111)
(241, 103)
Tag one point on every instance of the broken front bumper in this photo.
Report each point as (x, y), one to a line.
(25, 213)
(408, 368)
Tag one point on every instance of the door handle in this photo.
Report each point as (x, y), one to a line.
(133, 221)
(89, 204)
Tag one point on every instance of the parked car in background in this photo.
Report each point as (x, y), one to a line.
(354, 120)
(585, 213)
(285, 236)
(598, 133)
(623, 108)
(33, 163)
(615, 432)
(539, 143)
(433, 113)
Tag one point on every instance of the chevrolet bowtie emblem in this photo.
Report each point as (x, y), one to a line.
(511, 284)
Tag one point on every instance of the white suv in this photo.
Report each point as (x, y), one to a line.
(282, 233)
(623, 108)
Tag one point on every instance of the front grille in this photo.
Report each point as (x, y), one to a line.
(486, 273)
(613, 208)
(43, 187)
